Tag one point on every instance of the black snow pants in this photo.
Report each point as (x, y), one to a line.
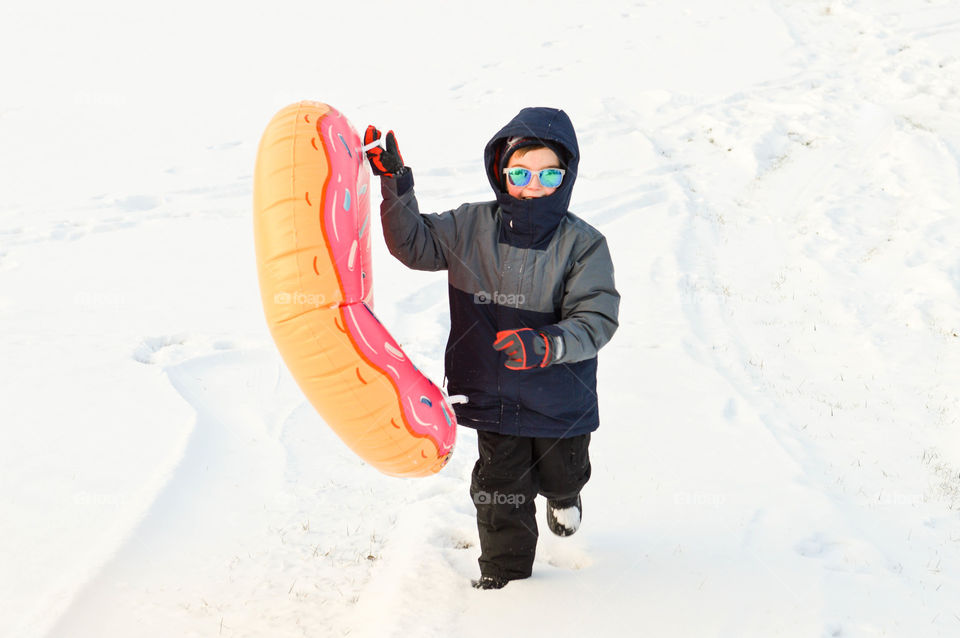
(507, 477)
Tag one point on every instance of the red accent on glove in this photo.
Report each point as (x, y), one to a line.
(525, 348)
(384, 161)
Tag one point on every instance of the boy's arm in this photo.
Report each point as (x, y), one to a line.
(421, 242)
(590, 306)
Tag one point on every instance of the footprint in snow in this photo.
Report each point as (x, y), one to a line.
(174, 349)
(161, 350)
(563, 555)
(849, 555)
(138, 203)
(6, 263)
(224, 145)
(68, 231)
(113, 225)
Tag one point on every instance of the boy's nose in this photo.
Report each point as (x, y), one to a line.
(535, 182)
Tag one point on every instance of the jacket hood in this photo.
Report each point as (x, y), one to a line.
(530, 223)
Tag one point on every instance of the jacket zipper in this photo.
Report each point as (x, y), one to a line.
(498, 319)
(523, 263)
(518, 300)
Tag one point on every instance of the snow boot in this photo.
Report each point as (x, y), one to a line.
(563, 517)
(489, 582)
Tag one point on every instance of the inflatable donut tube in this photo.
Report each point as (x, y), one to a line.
(312, 233)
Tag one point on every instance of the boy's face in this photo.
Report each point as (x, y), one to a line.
(535, 161)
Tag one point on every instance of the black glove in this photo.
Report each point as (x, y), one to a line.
(525, 348)
(385, 161)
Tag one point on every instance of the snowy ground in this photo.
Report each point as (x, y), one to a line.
(780, 449)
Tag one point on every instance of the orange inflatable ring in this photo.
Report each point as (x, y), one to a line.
(312, 233)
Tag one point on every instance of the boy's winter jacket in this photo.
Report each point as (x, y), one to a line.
(511, 264)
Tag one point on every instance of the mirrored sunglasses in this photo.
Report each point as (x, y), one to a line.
(549, 177)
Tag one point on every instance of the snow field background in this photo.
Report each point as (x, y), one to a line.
(779, 182)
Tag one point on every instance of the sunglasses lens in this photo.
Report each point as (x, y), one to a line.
(551, 177)
(519, 176)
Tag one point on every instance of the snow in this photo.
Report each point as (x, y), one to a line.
(779, 454)
(568, 517)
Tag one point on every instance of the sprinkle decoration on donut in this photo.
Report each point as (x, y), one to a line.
(312, 233)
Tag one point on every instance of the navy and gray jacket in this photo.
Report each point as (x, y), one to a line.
(511, 264)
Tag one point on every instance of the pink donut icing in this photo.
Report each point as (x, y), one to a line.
(346, 220)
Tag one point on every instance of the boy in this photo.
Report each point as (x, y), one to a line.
(532, 300)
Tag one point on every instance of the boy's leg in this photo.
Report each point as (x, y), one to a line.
(504, 488)
(563, 466)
